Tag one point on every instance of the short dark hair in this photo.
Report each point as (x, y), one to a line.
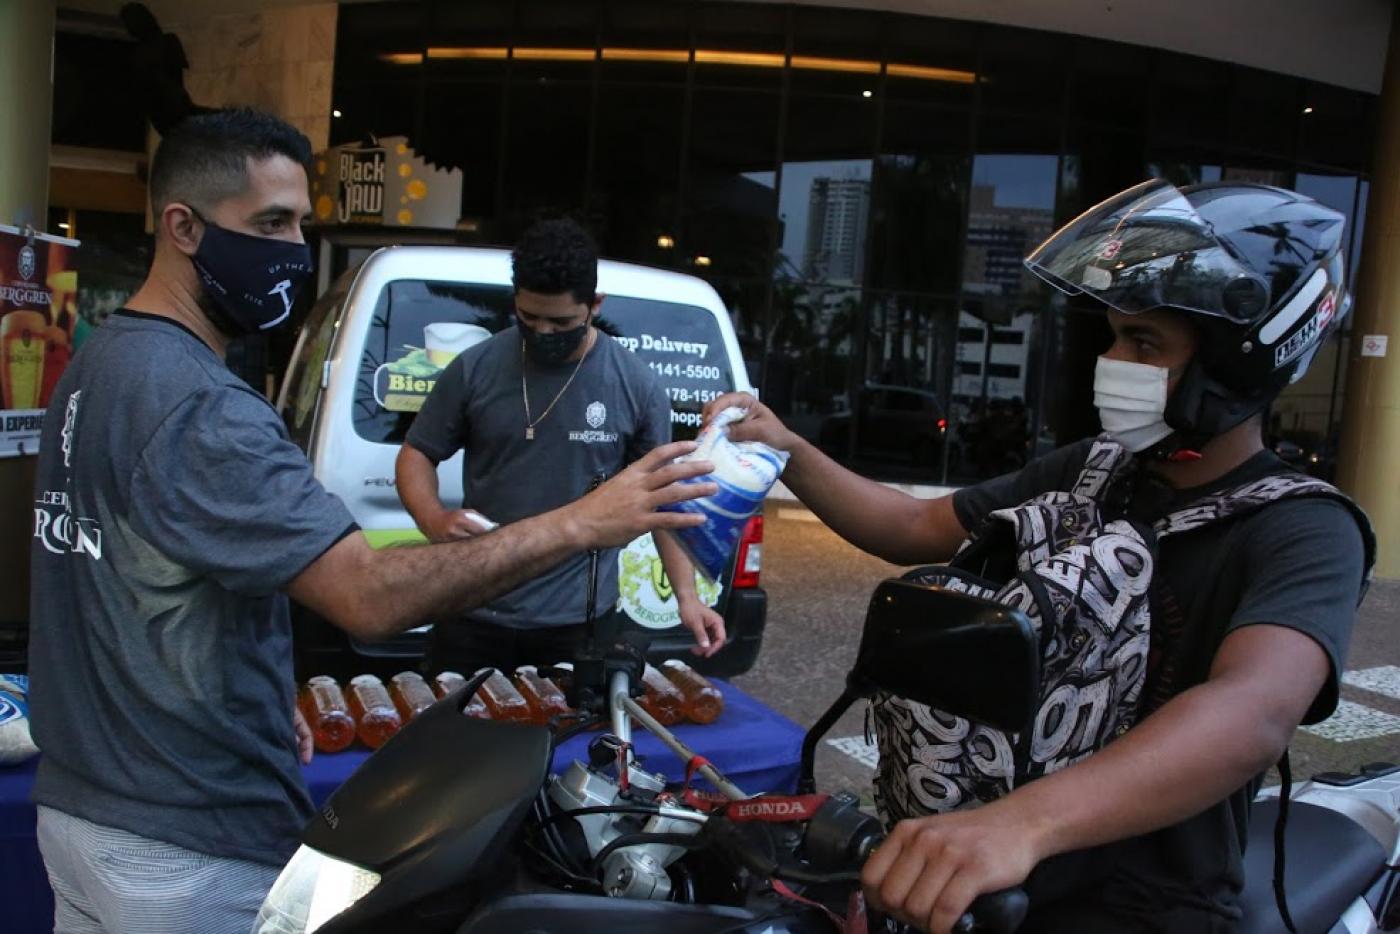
(204, 159)
(555, 256)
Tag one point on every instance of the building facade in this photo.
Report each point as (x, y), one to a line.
(859, 181)
(859, 185)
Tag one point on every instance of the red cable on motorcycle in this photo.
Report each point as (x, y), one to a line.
(788, 894)
(689, 795)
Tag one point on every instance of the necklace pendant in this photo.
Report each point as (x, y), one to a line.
(529, 433)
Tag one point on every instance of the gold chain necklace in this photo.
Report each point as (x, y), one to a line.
(525, 389)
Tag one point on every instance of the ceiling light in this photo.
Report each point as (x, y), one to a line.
(665, 242)
(930, 74)
(815, 63)
(680, 56)
(867, 94)
(496, 53)
(702, 261)
(748, 59)
(335, 113)
(1307, 110)
(553, 55)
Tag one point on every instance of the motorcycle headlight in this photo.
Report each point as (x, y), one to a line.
(312, 889)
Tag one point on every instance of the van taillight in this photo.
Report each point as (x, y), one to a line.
(750, 560)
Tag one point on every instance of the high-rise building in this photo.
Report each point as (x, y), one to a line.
(998, 239)
(836, 230)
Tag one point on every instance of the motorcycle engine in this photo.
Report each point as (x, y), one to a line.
(634, 871)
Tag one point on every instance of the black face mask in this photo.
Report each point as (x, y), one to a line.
(253, 280)
(552, 349)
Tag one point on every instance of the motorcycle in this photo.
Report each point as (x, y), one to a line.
(456, 824)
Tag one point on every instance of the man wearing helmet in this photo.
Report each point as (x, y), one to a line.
(1218, 296)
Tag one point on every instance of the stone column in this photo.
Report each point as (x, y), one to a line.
(26, 108)
(1369, 459)
(277, 59)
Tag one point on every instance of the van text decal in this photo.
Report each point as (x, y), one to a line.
(663, 345)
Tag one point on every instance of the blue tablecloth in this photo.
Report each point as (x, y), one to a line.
(757, 748)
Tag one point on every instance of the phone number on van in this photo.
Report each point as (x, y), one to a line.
(687, 371)
(679, 394)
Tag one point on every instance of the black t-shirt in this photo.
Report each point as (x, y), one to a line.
(1296, 563)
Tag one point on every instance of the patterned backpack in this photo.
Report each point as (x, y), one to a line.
(1082, 575)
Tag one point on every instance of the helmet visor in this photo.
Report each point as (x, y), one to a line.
(1147, 248)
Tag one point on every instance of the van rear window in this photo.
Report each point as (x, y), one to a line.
(418, 326)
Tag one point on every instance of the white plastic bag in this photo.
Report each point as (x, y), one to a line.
(745, 471)
(15, 743)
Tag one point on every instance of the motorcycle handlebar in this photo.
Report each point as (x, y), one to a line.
(995, 913)
(1000, 912)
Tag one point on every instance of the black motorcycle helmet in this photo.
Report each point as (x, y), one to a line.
(1258, 269)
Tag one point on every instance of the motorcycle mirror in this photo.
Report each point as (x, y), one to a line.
(961, 654)
(433, 807)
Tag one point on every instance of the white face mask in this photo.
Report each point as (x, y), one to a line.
(1131, 399)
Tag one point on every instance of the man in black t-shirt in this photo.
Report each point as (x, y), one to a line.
(1218, 296)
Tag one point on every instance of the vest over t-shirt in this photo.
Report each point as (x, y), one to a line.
(1297, 563)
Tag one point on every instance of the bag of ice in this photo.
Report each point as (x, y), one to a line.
(744, 471)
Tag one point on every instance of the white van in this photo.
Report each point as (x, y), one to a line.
(364, 362)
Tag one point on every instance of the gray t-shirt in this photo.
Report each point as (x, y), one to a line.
(170, 509)
(614, 411)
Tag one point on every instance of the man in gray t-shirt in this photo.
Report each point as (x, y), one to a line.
(173, 517)
(542, 410)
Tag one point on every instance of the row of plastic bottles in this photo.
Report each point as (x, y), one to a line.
(369, 711)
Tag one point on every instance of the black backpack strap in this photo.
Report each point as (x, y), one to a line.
(1237, 503)
(1285, 774)
(1250, 497)
(1106, 458)
(985, 550)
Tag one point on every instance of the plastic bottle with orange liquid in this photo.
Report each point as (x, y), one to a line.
(448, 681)
(544, 697)
(502, 699)
(445, 682)
(703, 701)
(411, 694)
(562, 674)
(375, 717)
(663, 700)
(323, 705)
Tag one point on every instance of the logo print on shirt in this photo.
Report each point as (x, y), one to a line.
(596, 414)
(70, 415)
(55, 526)
(60, 532)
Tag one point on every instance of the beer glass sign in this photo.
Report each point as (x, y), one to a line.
(38, 312)
(22, 358)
